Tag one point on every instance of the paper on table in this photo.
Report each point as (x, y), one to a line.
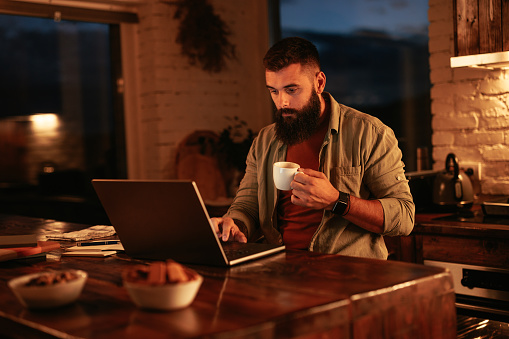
(93, 251)
(113, 247)
(96, 253)
(92, 232)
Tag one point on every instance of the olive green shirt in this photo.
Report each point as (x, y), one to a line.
(360, 156)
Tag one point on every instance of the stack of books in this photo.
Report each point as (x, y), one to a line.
(101, 248)
(24, 246)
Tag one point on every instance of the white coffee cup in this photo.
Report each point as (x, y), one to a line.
(283, 174)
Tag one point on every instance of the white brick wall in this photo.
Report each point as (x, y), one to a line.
(470, 107)
(176, 98)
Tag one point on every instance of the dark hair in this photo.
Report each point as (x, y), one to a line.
(289, 51)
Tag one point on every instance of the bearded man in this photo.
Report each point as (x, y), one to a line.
(351, 189)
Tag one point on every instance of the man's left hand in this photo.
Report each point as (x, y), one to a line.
(312, 189)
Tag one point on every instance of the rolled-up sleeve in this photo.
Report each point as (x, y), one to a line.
(245, 205)
(386, 180)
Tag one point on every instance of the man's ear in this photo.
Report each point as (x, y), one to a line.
(320, 82)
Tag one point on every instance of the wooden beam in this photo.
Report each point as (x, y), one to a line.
(490, 26)
(66, 12)
(505, 25)
(467, 27)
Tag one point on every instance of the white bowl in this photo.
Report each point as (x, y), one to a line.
(48, 296)
(171, 296)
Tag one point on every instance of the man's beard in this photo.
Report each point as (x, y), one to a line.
(304, 122)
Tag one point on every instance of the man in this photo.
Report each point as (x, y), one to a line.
(351, 190)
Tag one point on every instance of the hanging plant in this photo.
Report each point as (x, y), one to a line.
(203, 36)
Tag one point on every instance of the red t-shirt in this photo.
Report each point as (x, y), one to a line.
(297, 224)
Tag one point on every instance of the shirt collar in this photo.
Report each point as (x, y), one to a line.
(335, 110)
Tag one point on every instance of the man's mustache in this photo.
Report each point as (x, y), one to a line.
(282, 111)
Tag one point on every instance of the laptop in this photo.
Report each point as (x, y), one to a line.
(167, 219)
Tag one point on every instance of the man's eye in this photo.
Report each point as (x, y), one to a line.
(291, 90)
(272, 91)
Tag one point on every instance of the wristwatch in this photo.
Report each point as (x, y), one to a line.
(342, 204)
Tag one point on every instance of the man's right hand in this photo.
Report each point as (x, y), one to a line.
(227, 230)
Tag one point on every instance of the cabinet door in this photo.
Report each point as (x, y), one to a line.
(480, 26)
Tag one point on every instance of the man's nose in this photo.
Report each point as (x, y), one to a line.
(283, 101)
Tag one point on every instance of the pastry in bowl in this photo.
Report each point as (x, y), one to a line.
(48, 289)
(162, 285)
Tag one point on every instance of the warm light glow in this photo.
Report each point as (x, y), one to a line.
(47, 121)
(493, 68)
(48, 169)
(493, 61)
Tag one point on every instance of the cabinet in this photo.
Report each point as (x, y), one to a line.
(470, 243)
(481, 26)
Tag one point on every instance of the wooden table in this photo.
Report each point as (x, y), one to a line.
(290, 294)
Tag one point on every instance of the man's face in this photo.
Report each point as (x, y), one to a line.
(297, 104)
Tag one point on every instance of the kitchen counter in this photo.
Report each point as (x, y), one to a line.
(470, 240)
(290, 294)
(475, 249)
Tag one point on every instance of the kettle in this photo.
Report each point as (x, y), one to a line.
(453, 187)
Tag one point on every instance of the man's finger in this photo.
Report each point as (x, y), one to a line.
(297, 201)
(215, 224)
(312, 173)
(226, 231)
(229, 228)
(237, 235)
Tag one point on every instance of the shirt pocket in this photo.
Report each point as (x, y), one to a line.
(347, 179)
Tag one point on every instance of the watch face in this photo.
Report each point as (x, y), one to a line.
(339, 207)
(342, 203)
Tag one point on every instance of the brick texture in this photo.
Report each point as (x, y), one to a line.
(176, 98)
(470, 107)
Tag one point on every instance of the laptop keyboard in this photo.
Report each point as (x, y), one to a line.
(234, 251)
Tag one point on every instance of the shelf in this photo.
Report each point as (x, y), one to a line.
(498, 60)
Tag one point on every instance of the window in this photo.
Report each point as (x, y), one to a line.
(57, 98)
(61, 120)
(375, 56)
